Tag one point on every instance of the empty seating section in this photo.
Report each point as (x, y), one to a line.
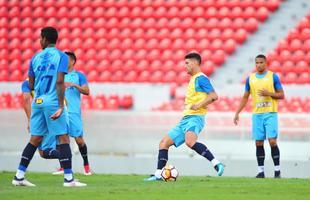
(129, 41)
(97, 102)
(230, 104)
(291, 58)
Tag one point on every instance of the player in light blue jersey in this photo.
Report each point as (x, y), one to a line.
(46, 77)
(47, 148)
(76, 84)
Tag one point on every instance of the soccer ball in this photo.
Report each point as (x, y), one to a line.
(169, 173)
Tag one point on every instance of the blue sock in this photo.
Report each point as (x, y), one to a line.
(27, 155)
(162, 158)
(50, 154)
(203, 150)
(65, 158)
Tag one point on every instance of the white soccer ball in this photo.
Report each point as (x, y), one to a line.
(169, 173)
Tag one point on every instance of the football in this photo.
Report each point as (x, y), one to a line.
(169, 173)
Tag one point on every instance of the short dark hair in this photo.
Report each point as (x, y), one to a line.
(195, 56)
(50, 33)
(71, 55)
(261, 56)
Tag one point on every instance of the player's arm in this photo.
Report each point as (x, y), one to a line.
(279, 92)
(27, 106)
(84, 89)
(212, 96)
(207, 87)
(31, 76)
(60, 85)
(243, 101)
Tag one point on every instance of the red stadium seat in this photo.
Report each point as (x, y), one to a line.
(249, 12)
(262, 14)
(251, 24)
(290, 78)
(304, 78)
(288, 66)
(126, 101)
(144, 77)
(131, 76)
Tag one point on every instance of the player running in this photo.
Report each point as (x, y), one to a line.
(200, 94)
(76, 84)
(46, 77)
(266, 89)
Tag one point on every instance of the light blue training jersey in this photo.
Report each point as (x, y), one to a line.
(73, 96)
(44, 66)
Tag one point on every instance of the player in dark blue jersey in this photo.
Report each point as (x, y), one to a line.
(46, 77)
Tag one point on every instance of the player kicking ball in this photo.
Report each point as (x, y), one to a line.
(200, 94)
(76, 84)
(46, 77)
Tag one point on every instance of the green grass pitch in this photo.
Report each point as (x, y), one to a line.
(105, 187)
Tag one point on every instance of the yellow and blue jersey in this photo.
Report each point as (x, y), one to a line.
(198, 88)
(44, 66)
(73, 96)
(269, 81)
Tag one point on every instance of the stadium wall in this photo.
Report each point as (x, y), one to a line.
(127, 142)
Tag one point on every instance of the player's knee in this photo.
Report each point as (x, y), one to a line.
(273, 142)
(35, 141)
(259, 143)
(190, 143)
(163, 144)
(79, 141)
(41, 154)
(64, 139)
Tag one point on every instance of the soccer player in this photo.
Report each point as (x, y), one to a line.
(47, 148)
(46, 77)
(266, 89)
(200, 94)
(76, 84)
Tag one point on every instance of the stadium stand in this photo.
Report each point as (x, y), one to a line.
(96, 102)
(136, 41)
(230, 104)
(291, 58)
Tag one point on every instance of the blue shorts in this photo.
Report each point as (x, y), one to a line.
(41, 124)
(75, 125)
(48, 142)
(264, 126)
(194, 123)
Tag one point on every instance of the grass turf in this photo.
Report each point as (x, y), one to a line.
(105, 187)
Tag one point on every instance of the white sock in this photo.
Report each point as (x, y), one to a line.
(158, 173)
(261, 169)
(68, 177)
(277, 168)
(20, 174)
(215, 162)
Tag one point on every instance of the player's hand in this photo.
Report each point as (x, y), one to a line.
(195, 107)
(57, 114)
(236, 119)
(69, 84)
(264, 93)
